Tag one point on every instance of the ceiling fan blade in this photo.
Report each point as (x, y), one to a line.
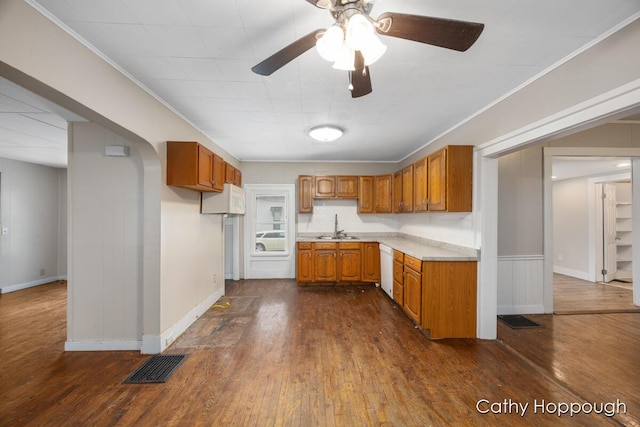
(447, 33)
(286, 55)
(322, 4)
(360, 77)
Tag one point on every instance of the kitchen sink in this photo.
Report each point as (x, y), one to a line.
(337, 237)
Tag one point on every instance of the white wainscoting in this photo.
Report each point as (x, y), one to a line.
(520, 284)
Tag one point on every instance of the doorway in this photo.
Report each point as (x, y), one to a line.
(269, 241)
(590, 225)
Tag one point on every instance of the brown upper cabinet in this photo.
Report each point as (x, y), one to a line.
(232, 175)
(325, 187)
(397, 192)
(347, 187)
(383, 191)
(374, 194)
(420, 190)
(365, 194)
(305, 193)
(407, 189)
(193, 166)
(450, 177)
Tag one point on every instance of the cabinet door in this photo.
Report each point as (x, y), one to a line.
(325, 187)
(370, 262)
(398, 293)
(382, 193)
(218, 173)
(349, 265)
(229, 173)
(347, 187)
(407, 189)
(437, 180)
(325, 263)
(237, 178)
(305, 194)
(397, 192)
(365, 194)
(205, 167)
(305, 265)
(420, 186)
(412, 294)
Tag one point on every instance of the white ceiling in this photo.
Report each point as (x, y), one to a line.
(197, 56)
(568, 167)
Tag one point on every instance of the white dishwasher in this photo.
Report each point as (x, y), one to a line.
(386, 269)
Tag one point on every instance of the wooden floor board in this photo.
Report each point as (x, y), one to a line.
(576, 296)
(284, 355)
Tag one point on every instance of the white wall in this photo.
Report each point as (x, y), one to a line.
(32, 209)
(571, 227)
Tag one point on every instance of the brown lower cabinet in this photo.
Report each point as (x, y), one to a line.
(440, 296)
(338, 262)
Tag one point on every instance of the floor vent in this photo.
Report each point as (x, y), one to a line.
(517, 321)
(157, 369)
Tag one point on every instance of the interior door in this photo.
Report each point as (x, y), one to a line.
(609, 232)
(269, 224)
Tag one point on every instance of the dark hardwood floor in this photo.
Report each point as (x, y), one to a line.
(348, 356)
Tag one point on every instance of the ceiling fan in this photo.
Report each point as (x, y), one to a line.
(351, 42)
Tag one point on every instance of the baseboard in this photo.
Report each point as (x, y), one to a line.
(102, 345)
(153, 344)
(20, 286)
(572, 273)
(521, 309)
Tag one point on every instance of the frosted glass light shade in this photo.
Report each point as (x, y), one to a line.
(330, 43)
(345, 59)
(373, 50)
(359, 31)
(325, 133)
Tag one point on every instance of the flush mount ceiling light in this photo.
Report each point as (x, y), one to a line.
(325, 133)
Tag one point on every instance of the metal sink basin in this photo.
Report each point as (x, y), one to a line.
(337, 238)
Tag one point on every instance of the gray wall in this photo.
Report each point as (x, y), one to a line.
(33, 209)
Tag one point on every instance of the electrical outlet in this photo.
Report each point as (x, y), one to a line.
(215, 278)
(560, 257)
(42, 272)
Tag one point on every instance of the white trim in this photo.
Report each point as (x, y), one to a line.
(521, 309)
(572, 273)
(577, 117)
(19, 286)
(102, 345)
(520, 257)
(635, 214)
(153, 344)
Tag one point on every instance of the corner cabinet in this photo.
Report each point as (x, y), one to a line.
(440, 296)
(450, 177)
(193, 166)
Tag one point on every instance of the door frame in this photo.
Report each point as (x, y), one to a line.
(269, 265)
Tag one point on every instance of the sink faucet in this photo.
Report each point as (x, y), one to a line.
(336, 232)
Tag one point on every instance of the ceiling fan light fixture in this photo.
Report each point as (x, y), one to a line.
(330, 44)
(373, 50)
(345, 59)
(359, 32)
(325, 133)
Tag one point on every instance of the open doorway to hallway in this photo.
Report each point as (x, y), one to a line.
(592, 234)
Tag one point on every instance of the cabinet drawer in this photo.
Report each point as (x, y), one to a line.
(398, 271)
(398, 256)
(413, 263)
(304, 245)
(325, 245)
(349, 245)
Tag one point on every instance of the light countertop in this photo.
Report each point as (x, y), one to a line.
(420, 248)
